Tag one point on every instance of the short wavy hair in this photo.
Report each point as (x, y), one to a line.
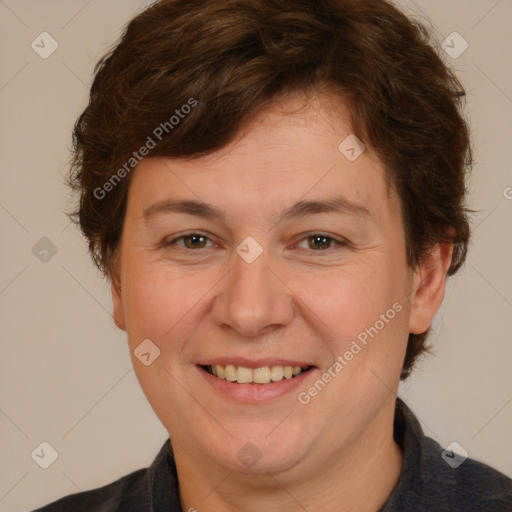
(233, 58)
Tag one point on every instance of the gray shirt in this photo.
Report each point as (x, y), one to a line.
(427, 483)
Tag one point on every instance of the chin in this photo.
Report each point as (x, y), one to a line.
(260, 454)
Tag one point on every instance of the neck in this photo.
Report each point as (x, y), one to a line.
(358, 478)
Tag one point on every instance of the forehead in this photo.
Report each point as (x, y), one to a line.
(293, 151)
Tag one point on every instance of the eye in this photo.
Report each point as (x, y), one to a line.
(190, 241)
(321, 242)
(317, 242)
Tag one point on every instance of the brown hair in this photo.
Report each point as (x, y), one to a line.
(233, 57)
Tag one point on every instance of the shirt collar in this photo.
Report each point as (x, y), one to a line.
(417, 467)
(162, 482)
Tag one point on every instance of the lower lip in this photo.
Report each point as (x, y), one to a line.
(254, 393)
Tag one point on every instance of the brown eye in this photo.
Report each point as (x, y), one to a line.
(319, 242)
(322, 243)
(194, 241)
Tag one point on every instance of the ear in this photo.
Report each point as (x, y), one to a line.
(429, 283)
(118, 315)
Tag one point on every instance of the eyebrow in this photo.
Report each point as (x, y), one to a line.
(339, 205)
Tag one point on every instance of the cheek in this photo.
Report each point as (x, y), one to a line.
(343, 302)
(163, 303)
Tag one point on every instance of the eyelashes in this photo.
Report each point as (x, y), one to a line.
(316, 242)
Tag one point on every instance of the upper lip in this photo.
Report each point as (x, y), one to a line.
(253, 363)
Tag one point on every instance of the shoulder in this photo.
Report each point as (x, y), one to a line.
(435, 479)
(154, 488)
(472, 485)
(126, 494)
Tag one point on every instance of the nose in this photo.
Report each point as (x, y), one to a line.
(252, 299)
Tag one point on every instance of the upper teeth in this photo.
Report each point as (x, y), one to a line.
(262, 375)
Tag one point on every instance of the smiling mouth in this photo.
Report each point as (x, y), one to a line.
(262, 375)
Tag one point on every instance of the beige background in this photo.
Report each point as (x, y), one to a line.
(65, 372)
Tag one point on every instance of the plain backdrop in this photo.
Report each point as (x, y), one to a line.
(65, 371)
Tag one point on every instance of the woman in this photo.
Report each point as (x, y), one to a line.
(276, 192)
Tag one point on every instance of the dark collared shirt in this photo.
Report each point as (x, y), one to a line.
(427, 482)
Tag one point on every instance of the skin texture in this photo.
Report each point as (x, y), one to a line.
(293, 302)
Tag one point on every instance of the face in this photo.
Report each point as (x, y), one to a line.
(273, 256)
